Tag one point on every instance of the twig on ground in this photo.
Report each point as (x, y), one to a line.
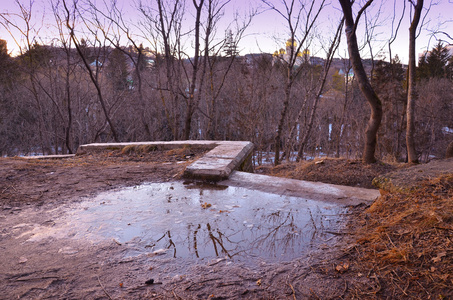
(314, 294)
(107, 294)
(345, 288)
(176, 296)
(294, 292)
(400, 288)
(391, 242)
(337, 233)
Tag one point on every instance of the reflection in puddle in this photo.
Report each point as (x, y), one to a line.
(192, 221)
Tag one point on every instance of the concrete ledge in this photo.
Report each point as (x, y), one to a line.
(217, 164)
(343, 195)
(95, 147)
(59, 156)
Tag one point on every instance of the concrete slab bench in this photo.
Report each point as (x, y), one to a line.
(217, 164)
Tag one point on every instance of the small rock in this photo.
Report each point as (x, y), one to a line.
(67, 251)
(22, 260)
(158, 252)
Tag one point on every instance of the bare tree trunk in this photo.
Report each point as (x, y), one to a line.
(449, 152)
(68, 99)
(164, 30)
(332, 49)
(411, 96)
(343, 112)
(293, 15)
(364, 84)
(195, 65)
(90, 72)
(282, 119)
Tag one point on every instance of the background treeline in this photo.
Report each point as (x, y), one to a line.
(102, 85)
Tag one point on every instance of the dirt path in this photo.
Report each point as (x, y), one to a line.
(40, 181)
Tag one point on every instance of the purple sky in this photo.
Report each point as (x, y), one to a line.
(268, 30)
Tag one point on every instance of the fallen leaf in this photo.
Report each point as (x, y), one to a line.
(341, 268)
(444, 277)
(439, 256)
(206, 205)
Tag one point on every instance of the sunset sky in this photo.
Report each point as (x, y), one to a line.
(268, 30)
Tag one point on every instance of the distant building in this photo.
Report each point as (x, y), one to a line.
(350, 74)
(291, 48)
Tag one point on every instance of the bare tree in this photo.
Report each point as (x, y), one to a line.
(411, 96)
(328, 61)
(70, 24)
(340, 128)
(300, 17)
(218, 67)
(162, 29)
(116, 38)
(362, 78)
(29, 33)
(186, 73)
(449, 152)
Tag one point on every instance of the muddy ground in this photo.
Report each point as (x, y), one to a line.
(33, 192)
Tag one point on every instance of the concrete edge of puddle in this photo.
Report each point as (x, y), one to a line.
(343, 195)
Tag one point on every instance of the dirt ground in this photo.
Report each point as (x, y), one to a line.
(26, 182)
(332, 170)
(33, 190)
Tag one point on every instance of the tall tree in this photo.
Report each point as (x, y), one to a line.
(320, 89)
(185, 71)
(411, 96)
(135, 51)
(230, 47)
(70, 24)
(389, 81)
(32, 56)
(300, 17)
(362, 79)
(117, 69)
(434, 63)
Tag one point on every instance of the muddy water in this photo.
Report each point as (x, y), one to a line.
(189, 220)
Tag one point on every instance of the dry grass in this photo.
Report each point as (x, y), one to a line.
(332, 170)
(142, 151)
(406, 243)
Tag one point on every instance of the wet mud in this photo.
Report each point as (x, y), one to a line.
(175, 239)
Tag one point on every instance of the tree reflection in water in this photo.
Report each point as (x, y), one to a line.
(277, 234)
(238, 223)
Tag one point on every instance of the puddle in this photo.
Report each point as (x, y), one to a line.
(200, 221)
